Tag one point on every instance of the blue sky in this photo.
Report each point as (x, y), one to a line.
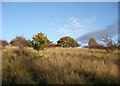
(57, 19)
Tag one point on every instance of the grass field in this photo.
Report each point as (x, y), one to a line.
(59, 66)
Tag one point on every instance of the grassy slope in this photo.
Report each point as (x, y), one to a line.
(59, 66)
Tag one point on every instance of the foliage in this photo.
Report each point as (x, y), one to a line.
(53, 45)
(19, 41)
(41, 36)
(107, 40)
(92, 42)
(67, 42)
(39, 41)
(107, 45)
(98, 46)
(4, 43)
(37, 44)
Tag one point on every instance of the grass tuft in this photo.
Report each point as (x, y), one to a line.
(59, 66)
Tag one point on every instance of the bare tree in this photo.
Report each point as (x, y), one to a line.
(110, 45)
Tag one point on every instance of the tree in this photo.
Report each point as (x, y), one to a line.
(110, 45)
(92, 43)
(67, 42)
(39, 41)
(119, 43)
(37, 44)
(41, 36)
(19, 41)
(4, 43)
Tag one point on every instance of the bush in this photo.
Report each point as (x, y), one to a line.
(53, 45)
(110, 45)
(97, 46)
(19, 41)
(3, 43)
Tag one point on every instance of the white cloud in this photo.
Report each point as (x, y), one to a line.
(71, 18)
(70, 30)
(74, 20)
(77, 25)
(63, 30)
(75, 28)
(65, 25)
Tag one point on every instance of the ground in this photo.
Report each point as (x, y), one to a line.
(59, 66)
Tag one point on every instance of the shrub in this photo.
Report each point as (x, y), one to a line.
(110, 45)
(19, 41)
(3, 43)
(97, 46)
(53, 45)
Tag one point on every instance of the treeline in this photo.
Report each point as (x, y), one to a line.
(108, 44)
(40, 41)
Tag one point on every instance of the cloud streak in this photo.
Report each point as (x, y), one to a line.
(71, 18)
(75, 27)
(74, 20)
(98, 34)
(71, 28)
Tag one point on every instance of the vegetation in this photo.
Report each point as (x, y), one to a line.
(40, 36)
(59, 66)
(41, 64)
(19, 41)
(92, 42)
(109, 43)
(37, 44)
(67, 42)
(3, 43)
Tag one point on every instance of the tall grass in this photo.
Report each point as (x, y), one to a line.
(59, 66)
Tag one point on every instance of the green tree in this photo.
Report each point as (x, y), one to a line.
(41, 36)
(37, 44)
(92, 42)
(38, 41)
(67, 42)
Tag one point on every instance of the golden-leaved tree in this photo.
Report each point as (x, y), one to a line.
(42, 36)
(92, 42)
(67, 42)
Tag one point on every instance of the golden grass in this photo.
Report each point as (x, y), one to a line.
(59, 66)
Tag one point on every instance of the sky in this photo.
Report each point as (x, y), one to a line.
(79, 20)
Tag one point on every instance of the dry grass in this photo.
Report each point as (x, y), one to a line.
(59, 66)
